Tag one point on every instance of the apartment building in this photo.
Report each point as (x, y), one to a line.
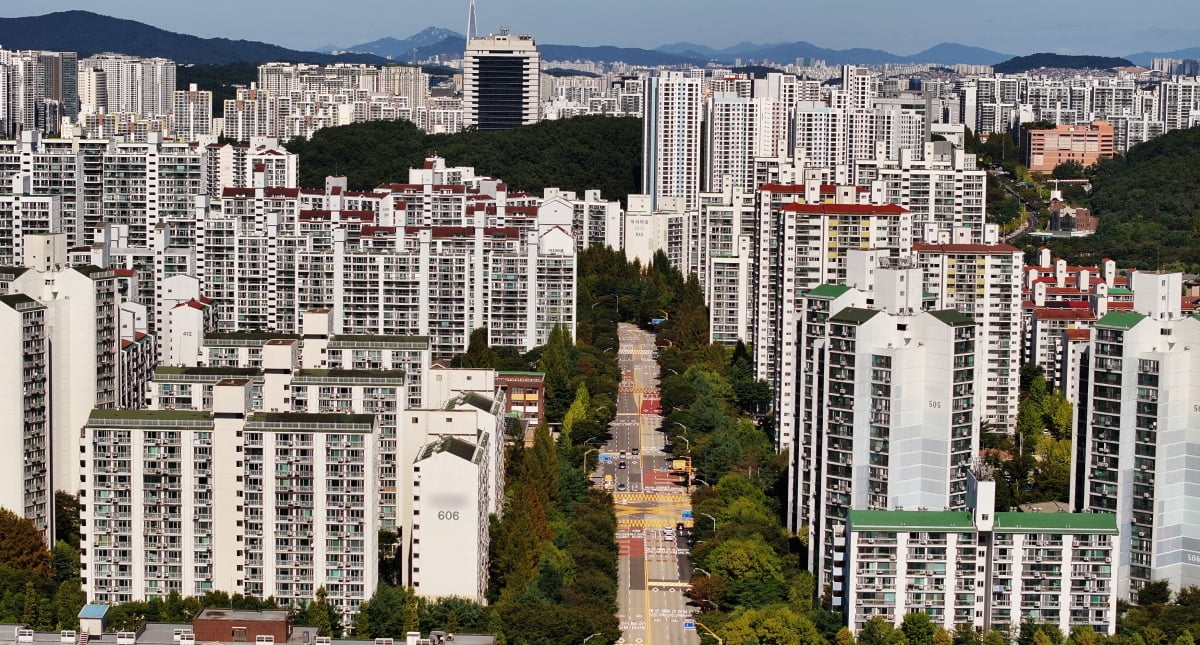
(982, 568)
(1136, 435)
(143, 86)
(191, 113)
(450, 539)
(594, 220)
(803, 237)
(671, 162)
(80, 345)
(940, 186)
(263, 163)
(27, 488)
(882, 405)
(265, 504)
(983, 282)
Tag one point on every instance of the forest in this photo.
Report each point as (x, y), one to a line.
(1148, 203)
(576, 154)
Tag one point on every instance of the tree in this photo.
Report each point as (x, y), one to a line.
(412, 621)
(965, 634)
(995, 637)
(66, 518)
(875, 631)
(479, 354)
(942, 637)
(844, 637)
(1068, 170)
(322, 615)
(65, 561)
(918, 628)
(1155, 592)
(22, 548)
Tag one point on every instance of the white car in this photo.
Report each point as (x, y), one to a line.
(668, 535)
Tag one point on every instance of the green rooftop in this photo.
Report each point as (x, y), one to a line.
(224, 372)
(853, 315)
(911, 520)
(134, 416)
(312, 422)
(351, 374)
(248, 335)
(953, 317)
(1105, 523)
(347, 340)
(1120, 319)
(1120, 291)
(454, 446)
(830, 291)
(91, 271)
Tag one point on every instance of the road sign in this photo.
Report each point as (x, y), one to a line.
(687, 515)
(689, 624)
(606, 459)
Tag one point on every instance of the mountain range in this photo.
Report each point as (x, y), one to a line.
(88, 33)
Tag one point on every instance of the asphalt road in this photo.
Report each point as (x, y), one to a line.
(654, 568)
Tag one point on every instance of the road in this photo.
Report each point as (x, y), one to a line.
(649, 501)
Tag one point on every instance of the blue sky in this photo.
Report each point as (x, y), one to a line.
(1105, 27)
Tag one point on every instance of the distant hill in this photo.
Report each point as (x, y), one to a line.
(951, 53)
(1035, 61)
(91, 33)
(402, 49)
(1143, 58)
(608, 54)
(948, 53)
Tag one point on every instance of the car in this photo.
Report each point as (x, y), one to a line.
(635, 452)
(622, 454)
(679, 527)
(668, 535)
(621, 465)
(621, 486)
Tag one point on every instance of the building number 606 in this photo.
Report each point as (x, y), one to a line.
(447, 515)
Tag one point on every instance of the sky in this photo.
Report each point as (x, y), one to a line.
(1102, 27)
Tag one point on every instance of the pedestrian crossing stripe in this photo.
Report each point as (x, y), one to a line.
(646, 523)
(650, 497)
(629, 389)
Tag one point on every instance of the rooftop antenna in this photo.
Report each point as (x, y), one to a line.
(472, 27)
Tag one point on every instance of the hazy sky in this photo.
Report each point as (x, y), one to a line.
(1107, 27)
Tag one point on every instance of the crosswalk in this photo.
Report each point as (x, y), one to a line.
(647, 523)
(650, 497)
(629, 389)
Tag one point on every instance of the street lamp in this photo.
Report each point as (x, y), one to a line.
(585, 455)
(590, 638)
(713, 519)
(702, 571)
(689, 444)
(697, 479)
(673, 371)
(710, 632)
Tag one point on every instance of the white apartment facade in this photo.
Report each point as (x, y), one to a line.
(982, 568)
(266, 504)
(907, 449)
(671, 161)
(24, 392)
(1138, 435)
(984, 282)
